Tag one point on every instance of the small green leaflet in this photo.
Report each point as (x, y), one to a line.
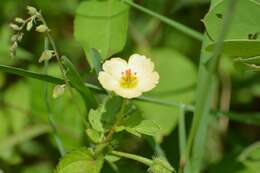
(145, 127)
(95, 116)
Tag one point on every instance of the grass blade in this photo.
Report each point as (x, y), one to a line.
(205, 91)
(78, 84)
(30, 74)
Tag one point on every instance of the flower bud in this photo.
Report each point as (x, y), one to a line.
(20, 37)
(14, 38)
(46, 55)
(15, 27)
(14, 46)
(42, 28)
(12, 49)
(58, 91)
(29, 25)
(19, 20)
(31, 10)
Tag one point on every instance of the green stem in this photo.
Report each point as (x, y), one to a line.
(172, 103)
(194, 34)
(48, 106)
(140, 159)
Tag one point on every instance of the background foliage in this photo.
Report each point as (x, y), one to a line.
(26, 141)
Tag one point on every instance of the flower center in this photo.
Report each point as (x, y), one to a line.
(128, 79)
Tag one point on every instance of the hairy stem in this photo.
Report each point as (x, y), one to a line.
(140, 159)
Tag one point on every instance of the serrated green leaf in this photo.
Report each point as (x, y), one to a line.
(80, 161)
(101, 25)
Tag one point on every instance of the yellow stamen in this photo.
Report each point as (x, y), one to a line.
(128, 80)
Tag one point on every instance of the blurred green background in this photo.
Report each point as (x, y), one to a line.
(26, 143)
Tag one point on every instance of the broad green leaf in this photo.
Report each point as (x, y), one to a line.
(78, 84)
(95, 116)
(247, 48)
(101, 25)
(176, 73)
(80, 161)
(245, 22)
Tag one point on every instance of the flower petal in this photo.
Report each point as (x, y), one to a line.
(128, 93)
(115, 67)
(148, 81)
(140, 63)
(107, 81)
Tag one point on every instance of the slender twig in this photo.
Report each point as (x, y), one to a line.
(194, 34)
(47, 103)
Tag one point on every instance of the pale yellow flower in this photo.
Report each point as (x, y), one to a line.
(129, 79)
